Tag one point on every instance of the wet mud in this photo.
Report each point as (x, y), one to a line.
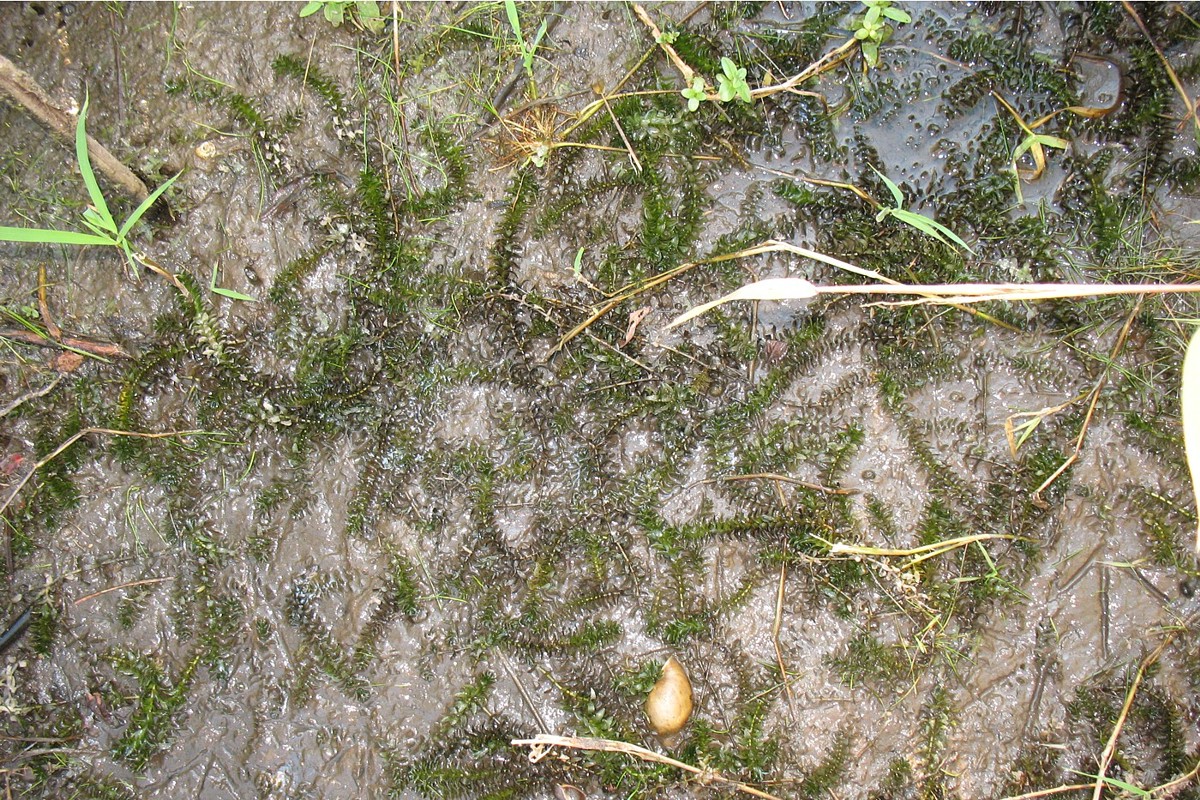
(397, 520)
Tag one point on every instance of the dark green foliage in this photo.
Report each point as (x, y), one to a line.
(451, 158)
(469, 700)
(505, 248)
(314, 78)
(478, 765)
(1009, 66)
(669, 223)
(605, 447)
(898, 785)
(243, 108)
(936, 721)
(97, 788)
(42, 625)
(158, 698)
(324, 651)
(867, 660)
(827, 775)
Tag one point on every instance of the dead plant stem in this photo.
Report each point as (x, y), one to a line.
(541, 746)
(1111, 747)
(1093, 400)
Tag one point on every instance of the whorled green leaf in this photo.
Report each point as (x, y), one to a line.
(1189, 400)
(769, 289)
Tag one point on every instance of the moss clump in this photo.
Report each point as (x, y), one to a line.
(868, 660)
(158, 699)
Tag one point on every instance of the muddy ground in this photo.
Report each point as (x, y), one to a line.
(402, 513)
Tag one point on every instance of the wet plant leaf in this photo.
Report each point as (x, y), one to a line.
(46, 236)
(230, 293)
(103, 217)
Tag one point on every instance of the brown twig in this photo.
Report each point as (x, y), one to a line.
(25, 92)
(771, 476)
(541, 745)
(1073, 787)
(130, 585)
(26, 336)
(1111, 747)
(1169, 788)
(44, 307)
(775, 628)
(33, 395)
(687, 72)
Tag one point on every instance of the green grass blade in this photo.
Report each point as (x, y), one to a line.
(85, 168)
(230, 293)
(1189, 400)
(46, 236)
(510, 8)
(892, 187)
(145, 206)
(930, 227)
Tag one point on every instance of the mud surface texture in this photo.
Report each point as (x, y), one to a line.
(400, 512)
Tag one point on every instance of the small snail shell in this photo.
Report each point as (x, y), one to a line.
(670, 702)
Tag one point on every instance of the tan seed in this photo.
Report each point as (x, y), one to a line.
(670, 702)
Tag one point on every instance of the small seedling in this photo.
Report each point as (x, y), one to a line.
(528, 51)
(1036, 143)
(924, 224)
(365, 12)
(873, 29)
(97, 218)
(695, 93)
(230, 293)
(732, 82)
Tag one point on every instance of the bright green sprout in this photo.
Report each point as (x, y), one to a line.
(366, 12)
(97, 218)
(230, 293)
(924, 224)
(528, 51)
(732, 82)
(695, 93)
(873, 29)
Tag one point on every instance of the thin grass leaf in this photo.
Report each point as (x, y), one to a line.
(892, 187)
(514, 21)
(930, 227)
(1189, 399)
(769, 289)
(230, 293)
(45, 236)
(145, 206)
(105, 217)
(1136, 791)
